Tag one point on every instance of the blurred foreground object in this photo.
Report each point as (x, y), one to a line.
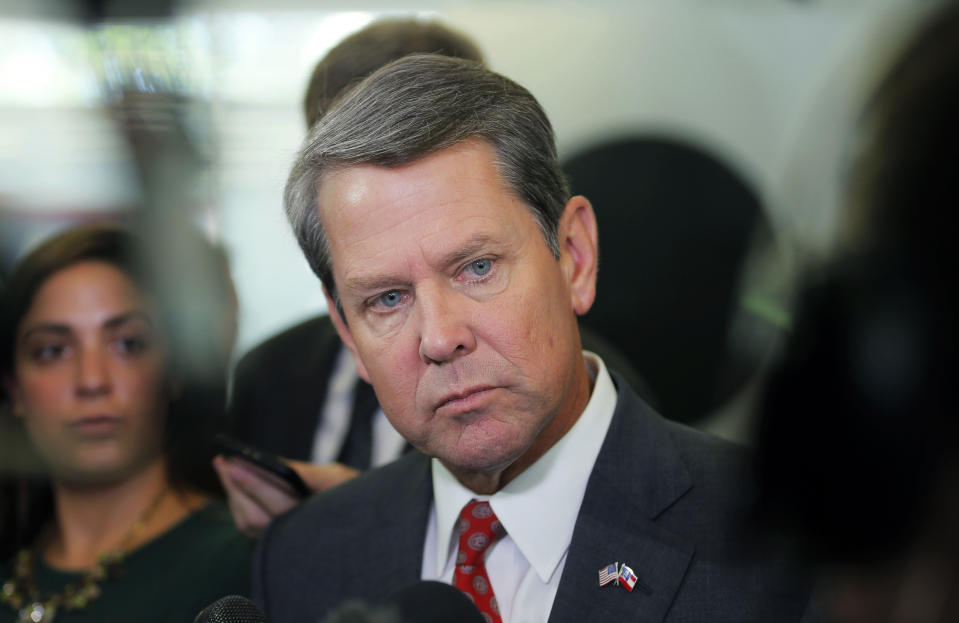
(859, 442)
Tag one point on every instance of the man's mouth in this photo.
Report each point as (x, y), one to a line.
(465, 400)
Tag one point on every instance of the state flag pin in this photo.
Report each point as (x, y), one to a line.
(627, 578)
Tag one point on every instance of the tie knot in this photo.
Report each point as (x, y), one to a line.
(478, 528)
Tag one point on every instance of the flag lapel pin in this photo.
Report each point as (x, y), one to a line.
(609, 574)
(627, 578)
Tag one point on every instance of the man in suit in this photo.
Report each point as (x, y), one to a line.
(430, 203)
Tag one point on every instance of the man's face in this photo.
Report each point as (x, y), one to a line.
(458, 313)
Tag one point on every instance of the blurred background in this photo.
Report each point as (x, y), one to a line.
(193, 112)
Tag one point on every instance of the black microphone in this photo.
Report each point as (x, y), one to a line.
(434, 602)
(421, 602)
(231, 609)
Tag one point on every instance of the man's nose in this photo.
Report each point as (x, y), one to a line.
(445, 325)
(93, 374)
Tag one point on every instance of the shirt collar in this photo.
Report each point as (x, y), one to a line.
(539, 507)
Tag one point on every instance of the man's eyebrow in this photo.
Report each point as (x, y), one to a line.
(471, 247)
(369, 284)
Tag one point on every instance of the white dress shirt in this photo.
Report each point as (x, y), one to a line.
(538, 509)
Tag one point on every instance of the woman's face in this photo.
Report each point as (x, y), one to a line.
(89, 375)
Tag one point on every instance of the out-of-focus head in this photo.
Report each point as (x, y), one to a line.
(859, 443)
(368, 49)
(417, 106)
(908, 143)
(87, 360)
(85, 357)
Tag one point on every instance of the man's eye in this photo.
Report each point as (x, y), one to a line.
(390, 299)
(480, 267)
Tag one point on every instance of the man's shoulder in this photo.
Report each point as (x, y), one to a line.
(685, 494)
(706, 454)
(295, 361)
(319, 554)
(301, 337)
(286, 374)
(638, 422)
(677, 475)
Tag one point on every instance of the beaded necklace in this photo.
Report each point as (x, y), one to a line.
(20, 592)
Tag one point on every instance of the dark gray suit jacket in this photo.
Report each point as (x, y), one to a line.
(661, 497)
(279, 388)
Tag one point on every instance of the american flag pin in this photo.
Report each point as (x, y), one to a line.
(608, 574)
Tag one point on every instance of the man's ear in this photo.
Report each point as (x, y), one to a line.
(579, 252)
(344, 330)
(16, 397)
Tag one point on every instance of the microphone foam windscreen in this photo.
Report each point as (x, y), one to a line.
(231, 609)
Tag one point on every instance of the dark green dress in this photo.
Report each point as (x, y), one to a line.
(169, 579)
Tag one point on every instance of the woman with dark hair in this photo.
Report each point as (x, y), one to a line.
(125, 526)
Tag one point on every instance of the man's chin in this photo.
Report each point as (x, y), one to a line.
(479, 465)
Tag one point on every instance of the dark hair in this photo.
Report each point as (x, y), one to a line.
(103, 243)
(195, 412)
(416, 106)
(368, 49)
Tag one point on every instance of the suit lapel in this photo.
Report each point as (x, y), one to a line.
(398, 549)
(638, 475)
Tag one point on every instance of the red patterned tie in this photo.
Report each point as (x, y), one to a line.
(478, 528)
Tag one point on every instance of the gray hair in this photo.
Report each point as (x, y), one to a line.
(416, 106)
